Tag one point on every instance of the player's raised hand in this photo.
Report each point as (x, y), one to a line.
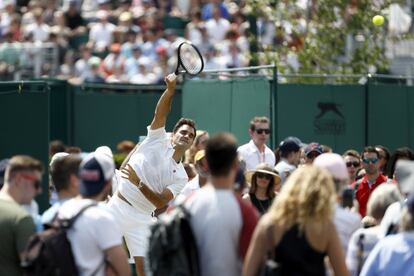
(171, 81)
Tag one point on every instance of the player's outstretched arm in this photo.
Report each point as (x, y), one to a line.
(164, 103)
(159, 200)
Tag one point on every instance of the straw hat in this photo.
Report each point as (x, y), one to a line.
(263, 168)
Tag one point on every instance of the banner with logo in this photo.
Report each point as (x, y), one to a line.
(328, 114)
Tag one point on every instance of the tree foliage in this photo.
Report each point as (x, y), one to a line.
(321, 34)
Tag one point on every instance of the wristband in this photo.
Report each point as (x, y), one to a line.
(140, 184)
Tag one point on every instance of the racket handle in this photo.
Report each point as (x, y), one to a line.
(178, 72)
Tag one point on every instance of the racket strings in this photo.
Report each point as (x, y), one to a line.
(190, 59)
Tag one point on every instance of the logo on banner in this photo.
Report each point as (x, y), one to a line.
(330, 120)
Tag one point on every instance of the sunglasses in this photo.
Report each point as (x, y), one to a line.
(355, 164)
(36, 181)
(261, 130)
(370, 160)
(264, 175)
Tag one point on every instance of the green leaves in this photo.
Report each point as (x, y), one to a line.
(327, 37)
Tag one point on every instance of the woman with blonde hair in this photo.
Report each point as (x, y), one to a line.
(298, 229)
(199, 144)
(264, 183)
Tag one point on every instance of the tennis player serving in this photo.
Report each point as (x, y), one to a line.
(154, 175)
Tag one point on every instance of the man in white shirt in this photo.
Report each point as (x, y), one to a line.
(38, 29)
(217, 27)
(95, 236)
(256, 151)
(222, 223)
(153, 176)
(101, 32)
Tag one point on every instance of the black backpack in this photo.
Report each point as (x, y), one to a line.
(49, 252)
(172, 247)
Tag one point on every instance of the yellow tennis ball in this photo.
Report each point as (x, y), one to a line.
(378, 20)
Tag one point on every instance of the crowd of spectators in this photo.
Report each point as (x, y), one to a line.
(120, 41)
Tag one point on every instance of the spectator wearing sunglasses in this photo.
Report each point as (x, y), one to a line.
(21, 184)
(353, 163)
(372, 179)
(256, 151)
(264, 184)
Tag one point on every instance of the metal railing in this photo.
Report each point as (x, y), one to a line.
(29, 60)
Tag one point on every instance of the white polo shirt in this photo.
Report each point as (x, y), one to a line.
(154, 165)
(253, 157)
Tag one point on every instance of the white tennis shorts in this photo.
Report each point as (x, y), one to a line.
(135, 226)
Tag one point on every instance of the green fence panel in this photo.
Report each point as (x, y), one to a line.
(106, 119)
(25, 125)
(331, 115)
(250, 98)
(208, 102)
(60, 110)
(226, 105)
(391, 115)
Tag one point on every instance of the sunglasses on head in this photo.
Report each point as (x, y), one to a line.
(370, 160)
(261, 130)
(36, 181)
(355, 164)
(264, 175)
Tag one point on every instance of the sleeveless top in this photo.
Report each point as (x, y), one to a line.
(297, 257)
(261, 205)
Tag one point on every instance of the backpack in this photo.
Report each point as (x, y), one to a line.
(49, 252)
(172, 247)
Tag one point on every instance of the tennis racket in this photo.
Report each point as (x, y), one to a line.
(189, 58)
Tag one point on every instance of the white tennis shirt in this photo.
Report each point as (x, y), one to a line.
(253, 157)
(154, 165)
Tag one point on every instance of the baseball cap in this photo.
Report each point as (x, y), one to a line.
(199, 155)
(95, 170)
(290, 144)
(404, 173)
(105, 150)
(94, 61)
(313, 147)
(334, 163)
